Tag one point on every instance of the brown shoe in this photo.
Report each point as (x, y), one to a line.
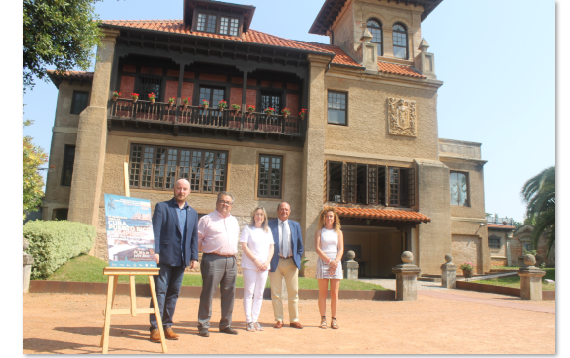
(279, 324)
(169, 334)
(296, 325)
(155, 336)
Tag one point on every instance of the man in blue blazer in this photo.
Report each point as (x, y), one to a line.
(286, 263)
(175, 226)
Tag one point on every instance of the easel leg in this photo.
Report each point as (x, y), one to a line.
(133, 296)
(110, 298)
(112, 283)
(157, 314)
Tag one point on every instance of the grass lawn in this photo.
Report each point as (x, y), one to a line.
(515, 281)
(85, 268)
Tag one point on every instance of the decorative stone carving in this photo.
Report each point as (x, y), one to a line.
(403, 117)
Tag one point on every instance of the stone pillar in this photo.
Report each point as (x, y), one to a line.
(406, 278)
(350, 267)
(531, 280)
(314, 159)
(448, 274)
(92, 139)
(28, 262)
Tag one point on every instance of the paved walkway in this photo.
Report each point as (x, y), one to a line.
(434, 289)
(66, 323)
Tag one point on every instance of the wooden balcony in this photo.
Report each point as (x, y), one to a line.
(187, 119)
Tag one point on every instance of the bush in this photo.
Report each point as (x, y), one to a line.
(53, 243)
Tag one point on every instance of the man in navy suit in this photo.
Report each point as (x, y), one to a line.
(286, 263)
(175, 226)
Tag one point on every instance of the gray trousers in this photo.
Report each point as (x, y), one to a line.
(217, 270)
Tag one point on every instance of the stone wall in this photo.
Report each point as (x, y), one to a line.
(467, 248)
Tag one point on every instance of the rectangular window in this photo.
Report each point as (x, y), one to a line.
(337, 108)
(201, 22)
(270, 176)
(147, 85)
(68, 158)
(211, 23)
(212, 95)
(370, 184)
(155, 167)
(271, 99)
(234, 27)
(494, 242)
(78, 102)
(229, 26)
(394, 186)
(459, 188)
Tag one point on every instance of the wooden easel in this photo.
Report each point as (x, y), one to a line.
(113, 274)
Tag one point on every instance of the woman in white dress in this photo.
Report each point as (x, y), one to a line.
(257, 244)
(329, 246)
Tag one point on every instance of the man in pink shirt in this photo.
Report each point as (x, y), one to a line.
(218, 235)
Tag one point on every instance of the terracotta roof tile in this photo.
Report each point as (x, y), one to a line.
(178, 27)
(71, 74)
(341, 57)
(253, 36)
(396, 69)
(495, 226)
(392, 215)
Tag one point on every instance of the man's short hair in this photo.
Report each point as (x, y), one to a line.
(283, 202)
(225, 193)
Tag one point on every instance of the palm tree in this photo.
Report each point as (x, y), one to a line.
(538, 194)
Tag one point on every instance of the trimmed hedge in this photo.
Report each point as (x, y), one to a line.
(53, 243)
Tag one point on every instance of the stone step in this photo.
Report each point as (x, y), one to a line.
(429, 279)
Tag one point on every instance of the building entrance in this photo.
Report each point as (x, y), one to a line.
(377, 249)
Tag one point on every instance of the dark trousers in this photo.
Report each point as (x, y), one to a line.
(217, 270)
(167, 283)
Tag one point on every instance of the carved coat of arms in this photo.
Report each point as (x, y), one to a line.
(402, 115)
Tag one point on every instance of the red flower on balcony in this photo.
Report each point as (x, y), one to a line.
(269, 110)
(250, 108)
(151, 96)
(222, 104)
(134, 96)
(303, 113)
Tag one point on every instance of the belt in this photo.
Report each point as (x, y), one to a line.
(213, 253)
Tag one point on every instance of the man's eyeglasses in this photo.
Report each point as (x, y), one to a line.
(228, 203)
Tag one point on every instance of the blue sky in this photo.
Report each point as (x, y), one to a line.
(496, 59)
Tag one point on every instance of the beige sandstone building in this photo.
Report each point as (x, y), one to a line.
(369, 144)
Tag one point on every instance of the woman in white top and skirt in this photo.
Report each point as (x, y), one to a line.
(257, 244)
(329, 246)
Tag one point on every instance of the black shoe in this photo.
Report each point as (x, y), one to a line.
(229, 330)
(203, 332)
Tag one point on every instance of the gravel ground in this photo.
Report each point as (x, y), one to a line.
(72, 324)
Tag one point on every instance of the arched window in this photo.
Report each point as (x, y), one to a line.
(375, 29)
(400, 40)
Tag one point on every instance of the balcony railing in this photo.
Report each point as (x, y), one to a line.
(499, 221)
(193, 116)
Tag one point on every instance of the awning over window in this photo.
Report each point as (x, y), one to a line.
(388, 215)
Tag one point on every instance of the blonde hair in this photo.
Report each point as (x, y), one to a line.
(265, 223)
(336, 224)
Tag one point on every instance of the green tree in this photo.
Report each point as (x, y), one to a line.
(34, 156)
(60, 33)
(539, 195)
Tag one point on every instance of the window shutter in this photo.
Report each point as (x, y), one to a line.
(383, 170)
(327, 181)
(411, 187)
(351, 182)
(372, 187)
(344, 190)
